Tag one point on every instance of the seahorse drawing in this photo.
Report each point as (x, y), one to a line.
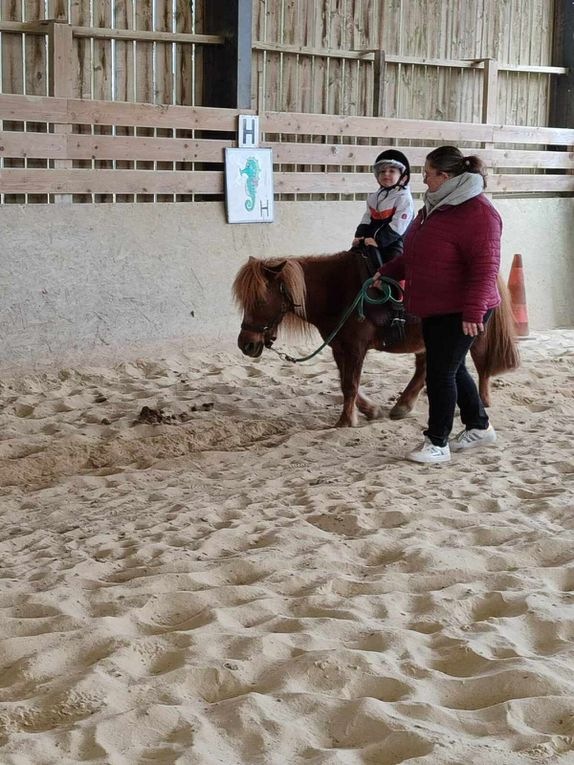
(252, 171)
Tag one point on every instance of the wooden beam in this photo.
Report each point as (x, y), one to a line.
(369, 55)
(531, 184)
(149, 115)
(105, 33)
(76, 146)
(379, 83)
(490, 91)
(562, 93)
(26, 27)
(522, 134)
(38, 28)
(18, 144)
(110, 182)
(309, 183)
(374, 127)
(33, 108)
(146, 36)
(146, 148)
(60, 58)
(183, 182)
(60, 52)
(78, 111)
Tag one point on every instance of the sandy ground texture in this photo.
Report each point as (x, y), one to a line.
(242, 584)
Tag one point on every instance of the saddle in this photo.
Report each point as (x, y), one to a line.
(392, 319)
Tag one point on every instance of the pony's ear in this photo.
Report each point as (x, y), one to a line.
(275, 270)
(251, 258)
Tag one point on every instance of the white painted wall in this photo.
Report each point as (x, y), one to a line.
(83, 282)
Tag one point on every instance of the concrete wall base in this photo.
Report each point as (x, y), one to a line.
(86, 282)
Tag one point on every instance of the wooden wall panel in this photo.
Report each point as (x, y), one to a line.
(35, 78)
(124, 74)
(124, 52)
(81, 16)
(12, 53)
(189, 67)
(340, 174)
(64, 146)
(35, 52)
(303, 68)
(508, 30)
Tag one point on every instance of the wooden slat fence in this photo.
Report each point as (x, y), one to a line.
(317, 56)
(467, 61)
(338, 165)
(309, 55)
(133, 50)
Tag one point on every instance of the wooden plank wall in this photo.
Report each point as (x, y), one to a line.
(123, 70)
(301, 77)
(511, 31)
(155, 72)
(307, 79)
(551, 170)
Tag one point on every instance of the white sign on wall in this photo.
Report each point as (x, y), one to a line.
(249, 185)
(248, 131)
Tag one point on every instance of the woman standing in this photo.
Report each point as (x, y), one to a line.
(450, 263)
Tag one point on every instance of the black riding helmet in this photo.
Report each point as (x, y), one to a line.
(398, 160)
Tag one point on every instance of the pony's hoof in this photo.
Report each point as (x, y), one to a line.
(344, 422)
(399, 412)
(373, 413)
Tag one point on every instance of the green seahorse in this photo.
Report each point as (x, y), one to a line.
(252, 171)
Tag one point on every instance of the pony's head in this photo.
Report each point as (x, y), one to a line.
(268, 292)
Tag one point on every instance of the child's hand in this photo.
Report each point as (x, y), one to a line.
(369, 240)
(357, 241)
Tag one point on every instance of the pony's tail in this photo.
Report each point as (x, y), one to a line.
(501, 352)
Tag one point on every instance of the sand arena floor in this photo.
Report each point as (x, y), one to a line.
(242, 584)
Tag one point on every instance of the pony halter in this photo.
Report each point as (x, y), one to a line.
(263, 329)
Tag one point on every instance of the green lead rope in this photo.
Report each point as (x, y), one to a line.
(362, 297)
(386, 296)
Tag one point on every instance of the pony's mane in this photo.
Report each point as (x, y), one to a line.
(250, 287)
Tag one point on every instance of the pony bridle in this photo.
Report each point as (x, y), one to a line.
(270, 329)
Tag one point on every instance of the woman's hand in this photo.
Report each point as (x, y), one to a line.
(472, 328)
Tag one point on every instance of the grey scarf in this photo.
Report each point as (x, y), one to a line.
(455, 191)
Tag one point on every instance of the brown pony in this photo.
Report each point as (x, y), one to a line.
(316, 290)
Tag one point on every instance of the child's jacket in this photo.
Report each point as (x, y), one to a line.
(388, 215)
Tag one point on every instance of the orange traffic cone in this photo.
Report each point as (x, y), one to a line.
(518, 298)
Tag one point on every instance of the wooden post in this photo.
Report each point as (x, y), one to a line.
(60, 83)
(244, 53)
(489, 101)
(379, 84)
(562, 92)
(260, 102)
(490, 91)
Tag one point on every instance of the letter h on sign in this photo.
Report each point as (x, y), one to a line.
(248, 131)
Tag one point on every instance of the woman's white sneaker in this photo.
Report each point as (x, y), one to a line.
(429, 452)
(469, 439)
